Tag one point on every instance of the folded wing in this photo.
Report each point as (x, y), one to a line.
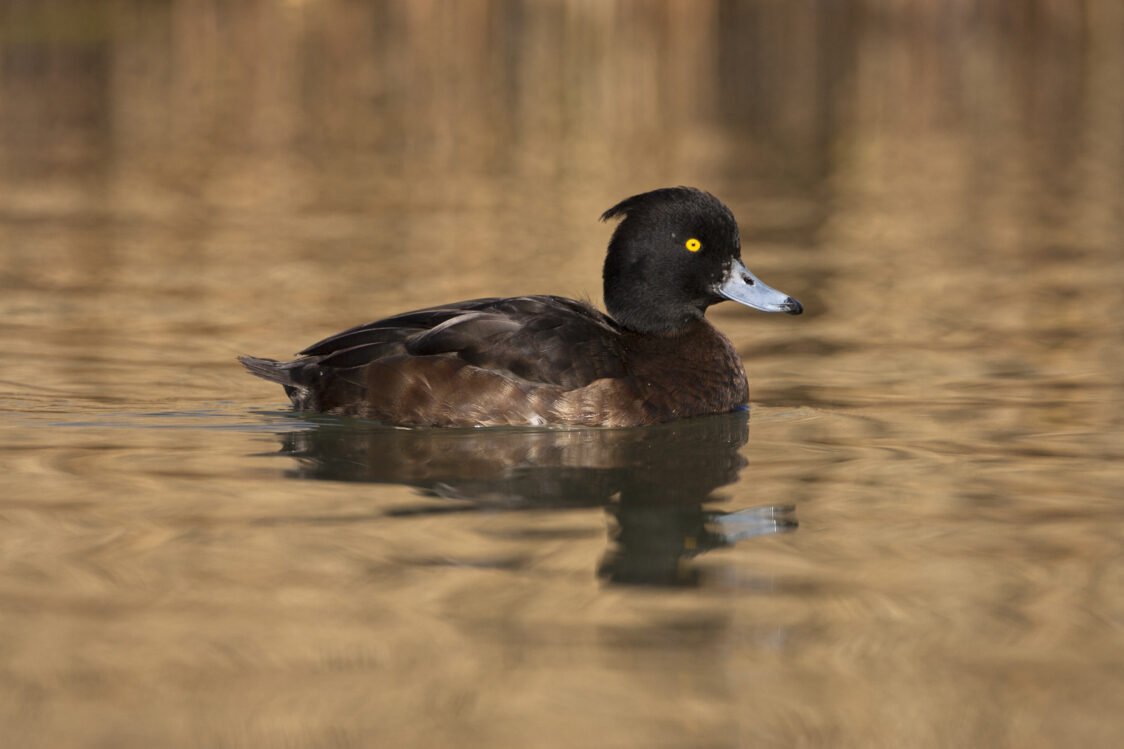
(543, 339)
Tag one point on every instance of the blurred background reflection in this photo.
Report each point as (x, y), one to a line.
(940, 183)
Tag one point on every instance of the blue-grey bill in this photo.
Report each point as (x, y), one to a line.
(742, 286)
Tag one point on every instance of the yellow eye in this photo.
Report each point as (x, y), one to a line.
(693, 245)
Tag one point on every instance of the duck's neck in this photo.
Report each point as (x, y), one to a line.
(655, 320)
(698, 364)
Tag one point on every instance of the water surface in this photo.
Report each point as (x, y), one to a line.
(913, 538)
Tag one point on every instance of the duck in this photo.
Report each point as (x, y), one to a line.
(651, 357)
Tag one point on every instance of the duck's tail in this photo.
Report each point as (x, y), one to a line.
(280, 372)
(306, 386)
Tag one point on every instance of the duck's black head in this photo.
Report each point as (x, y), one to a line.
(677, 252)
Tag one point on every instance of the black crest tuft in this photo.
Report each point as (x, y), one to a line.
(664, 198)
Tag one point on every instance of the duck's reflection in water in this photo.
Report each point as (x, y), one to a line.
(656, 482)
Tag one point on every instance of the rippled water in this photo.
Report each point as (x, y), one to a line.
(915, 537)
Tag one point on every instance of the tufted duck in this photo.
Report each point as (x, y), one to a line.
(536, 360)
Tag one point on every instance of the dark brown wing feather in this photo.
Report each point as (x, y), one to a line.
(543, 339)
(547, 340)
(398, 327)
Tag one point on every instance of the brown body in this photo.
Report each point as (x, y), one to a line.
(508, 362)
(689, 374)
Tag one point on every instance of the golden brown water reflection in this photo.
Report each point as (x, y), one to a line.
(183, 563)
